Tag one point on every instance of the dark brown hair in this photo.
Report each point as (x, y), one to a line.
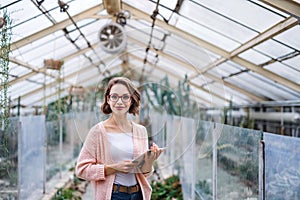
(135, 95)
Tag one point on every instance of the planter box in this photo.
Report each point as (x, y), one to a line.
(53, 64)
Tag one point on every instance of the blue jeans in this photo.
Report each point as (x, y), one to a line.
(116, 195)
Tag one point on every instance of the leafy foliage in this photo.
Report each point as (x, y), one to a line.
(62, 194)
(73, 191)
(204, 187)
(161, 97)
(170, 188)
(5, 38)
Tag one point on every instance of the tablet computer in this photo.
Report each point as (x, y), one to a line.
(141, 158)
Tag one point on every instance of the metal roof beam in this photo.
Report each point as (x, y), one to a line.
(274, 77)
(290, 7)
(186, 65)
(28, 94)
(169, 73)
(180, 78)
(236, 88)
(268, 34)
(42, 70)
(67, 88)
(197, 98)
(28, 75)
(89, 13)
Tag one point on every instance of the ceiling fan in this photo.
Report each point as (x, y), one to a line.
(112, 36)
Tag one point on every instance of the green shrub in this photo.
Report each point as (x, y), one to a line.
(167, 189)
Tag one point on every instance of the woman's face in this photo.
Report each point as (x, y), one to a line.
(119, 99)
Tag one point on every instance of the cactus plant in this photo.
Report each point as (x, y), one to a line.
(176, 102)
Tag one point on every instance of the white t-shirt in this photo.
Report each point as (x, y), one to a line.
(121, 148)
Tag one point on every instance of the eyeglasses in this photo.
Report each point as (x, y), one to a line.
(115, 97)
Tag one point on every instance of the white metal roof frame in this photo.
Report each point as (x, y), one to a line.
(244, 51)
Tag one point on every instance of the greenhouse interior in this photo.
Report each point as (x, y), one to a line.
(218, 80)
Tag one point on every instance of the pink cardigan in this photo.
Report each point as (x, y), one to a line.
(96, 152)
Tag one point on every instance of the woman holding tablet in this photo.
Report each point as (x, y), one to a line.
(108, 154)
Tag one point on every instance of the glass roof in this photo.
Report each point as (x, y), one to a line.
(241, 51)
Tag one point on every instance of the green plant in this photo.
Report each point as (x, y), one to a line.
(169, 188)
(247, 121)
(162, 97)
(73, 190)
(204, 187)
(67, 193)
(227, 114)
(5, 35)
(55, 108)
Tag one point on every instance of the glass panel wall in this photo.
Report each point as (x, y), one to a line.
(212, 160)
(282, 171)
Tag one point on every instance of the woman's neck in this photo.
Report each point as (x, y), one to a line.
(119, 119)
(122, 123)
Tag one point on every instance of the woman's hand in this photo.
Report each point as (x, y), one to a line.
(124, 166)
(155, 151)
(150, 157)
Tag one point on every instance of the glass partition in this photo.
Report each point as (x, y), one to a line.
(237, 174)
(186, 139)
(31, 157)
(203, 161)
(65, 136)
(282, 173)
(213, 161)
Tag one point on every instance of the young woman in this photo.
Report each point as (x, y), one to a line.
(107, 155)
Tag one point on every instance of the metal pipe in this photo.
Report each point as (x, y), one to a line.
(271, 116)
(276, 116)
(262, 104)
